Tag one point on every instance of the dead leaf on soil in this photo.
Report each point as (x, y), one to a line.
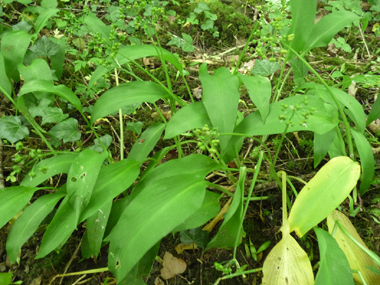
(172, 266)
(181, 247)
(158, 281)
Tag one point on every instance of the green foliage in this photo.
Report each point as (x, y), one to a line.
(134, 202)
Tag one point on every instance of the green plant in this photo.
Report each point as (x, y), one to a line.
(132, 207)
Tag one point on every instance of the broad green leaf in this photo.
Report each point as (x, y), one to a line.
(82, 177)
(322, 143)
(137, 231)
(126, 94)
(357, 258)
(13, 199)
(287, 263)
(321, 121)
(43, 18)
(334, 267)
(355, 110)
(188, 118)
(303, 17)
(6, 278)
(95, 228)
(142, 268)
(196, 235)
(229, 230)
(327, 28)
(264, 67)
(28, 222)
(117, 209)
(48, 168)
(13, 47)
(132, 52)
(4, 80)
(323, 193)
(208, 210)
(46, 86)
(59, 229)
(66, 130)
(367, 160)
(49, 3)
(220, 98)
(337, 147)
(11, 129)
(45, 47)
(259, 90)
(58, 59)
(97, 26)
(146, 142)
(374, 114)
(156, 160)
(113, 179)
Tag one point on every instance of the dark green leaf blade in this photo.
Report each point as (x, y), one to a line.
(220, 98)
(146, 142)
(367, 161)
(13, 47)
(334, 267)
(126, 94)
(82, 177)
(13, 199)
(28, 222)
(188, 118)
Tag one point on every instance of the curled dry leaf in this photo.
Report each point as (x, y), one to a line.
(181, 247)
(172, 266)
(158, 281)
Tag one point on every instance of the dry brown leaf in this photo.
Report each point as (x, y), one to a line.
(218, 217)
(172, 266)
(158, 281)
(181, 247)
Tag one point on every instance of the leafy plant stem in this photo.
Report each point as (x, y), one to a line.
(237, 274)
(281, 141)
(282, 84)
(120, 123)
(250, 190)
(285, 224)
(245, 47)
(370, 253)
(210, 184)
(342, 114)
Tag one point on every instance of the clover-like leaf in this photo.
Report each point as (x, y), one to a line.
(53, 115)
(265, 67)
(67, 130)
(45, 47)
(11, 129)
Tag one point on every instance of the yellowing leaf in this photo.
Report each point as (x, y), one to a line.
(326, 191)
(357, 258)
(287, 263)
(181, 247)
(172, 266)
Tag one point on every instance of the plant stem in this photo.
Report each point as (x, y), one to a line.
(342, 114)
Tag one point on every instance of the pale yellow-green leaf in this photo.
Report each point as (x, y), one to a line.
(287, 263)
(357, 258)
(326, 191)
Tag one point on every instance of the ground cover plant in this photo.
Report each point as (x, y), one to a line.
(117, 143)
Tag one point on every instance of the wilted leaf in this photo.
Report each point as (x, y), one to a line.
(287, 263)
(181, 247)
(172, 266)
(357, 258)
